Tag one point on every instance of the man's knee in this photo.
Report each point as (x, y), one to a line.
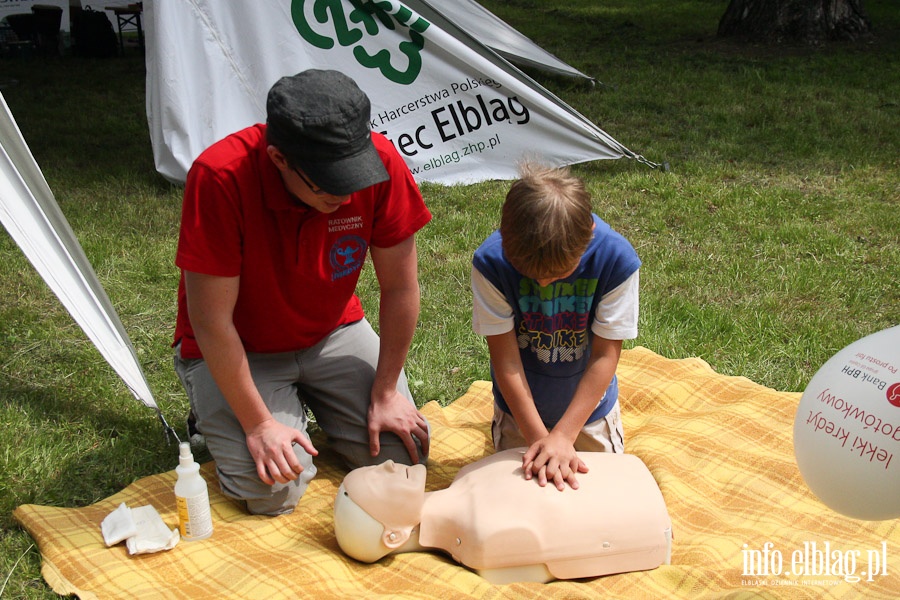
(357, 455)
(280, 502)
(400, 455)
(261, 499)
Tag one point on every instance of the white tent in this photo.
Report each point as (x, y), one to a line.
(454, 107)
(33, 219)
(499, 36)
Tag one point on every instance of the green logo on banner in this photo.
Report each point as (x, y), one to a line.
(366, 20)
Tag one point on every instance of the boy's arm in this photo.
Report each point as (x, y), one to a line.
(510, 378)
(492, 317)
(491, 313)
(549, 457)
(554, 458)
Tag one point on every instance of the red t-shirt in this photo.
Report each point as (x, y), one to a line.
(298, 267)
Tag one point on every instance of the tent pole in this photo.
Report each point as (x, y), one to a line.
(168, 431)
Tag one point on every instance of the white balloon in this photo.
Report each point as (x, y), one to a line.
(847, 429)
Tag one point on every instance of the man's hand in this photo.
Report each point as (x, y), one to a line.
(553, 459)
(271, 446)
(394, 413)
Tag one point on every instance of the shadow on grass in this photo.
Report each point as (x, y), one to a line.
(84, 118)
(107, 444)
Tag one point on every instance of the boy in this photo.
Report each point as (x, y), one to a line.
(555, 293)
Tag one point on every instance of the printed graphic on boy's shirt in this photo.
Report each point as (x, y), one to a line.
(555, 319)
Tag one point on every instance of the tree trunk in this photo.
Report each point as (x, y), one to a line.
(807, 21)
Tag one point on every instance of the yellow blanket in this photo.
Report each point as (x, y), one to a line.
(719, 447)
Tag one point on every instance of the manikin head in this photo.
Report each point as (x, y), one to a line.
(377, 508)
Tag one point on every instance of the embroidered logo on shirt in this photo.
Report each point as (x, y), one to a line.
(347, 256)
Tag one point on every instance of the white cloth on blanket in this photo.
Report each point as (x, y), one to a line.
(141, 528)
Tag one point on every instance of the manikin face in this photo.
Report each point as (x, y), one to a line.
(393, 474)
(390, 494)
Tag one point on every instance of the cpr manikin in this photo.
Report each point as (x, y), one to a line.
(491, 519)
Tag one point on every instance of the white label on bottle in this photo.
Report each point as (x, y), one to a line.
(194, 517)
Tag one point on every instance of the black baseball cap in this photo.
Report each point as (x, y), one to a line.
(319, 119)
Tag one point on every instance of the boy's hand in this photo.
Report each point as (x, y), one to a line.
(553, 458)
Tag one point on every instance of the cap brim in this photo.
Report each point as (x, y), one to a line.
(344, 176)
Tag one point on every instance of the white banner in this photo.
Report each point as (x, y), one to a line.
(455, 109)
(498, 35)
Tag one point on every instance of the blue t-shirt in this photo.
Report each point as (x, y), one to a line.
(553, 323)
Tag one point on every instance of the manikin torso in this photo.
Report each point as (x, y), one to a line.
(505, 527)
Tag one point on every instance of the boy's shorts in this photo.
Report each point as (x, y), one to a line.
(603, 435)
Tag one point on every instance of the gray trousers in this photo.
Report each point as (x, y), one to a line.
(333, 379)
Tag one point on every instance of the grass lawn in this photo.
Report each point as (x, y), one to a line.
(772, 243)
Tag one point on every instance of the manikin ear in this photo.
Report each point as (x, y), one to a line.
(395, 538)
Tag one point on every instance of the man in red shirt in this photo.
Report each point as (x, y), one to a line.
(276, 223)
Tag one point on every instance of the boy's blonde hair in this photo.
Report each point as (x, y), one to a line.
(546, 223)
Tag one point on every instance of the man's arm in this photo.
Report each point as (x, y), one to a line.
(397, 270)
(211, 302)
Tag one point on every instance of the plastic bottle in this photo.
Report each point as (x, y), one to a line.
(191, 497)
